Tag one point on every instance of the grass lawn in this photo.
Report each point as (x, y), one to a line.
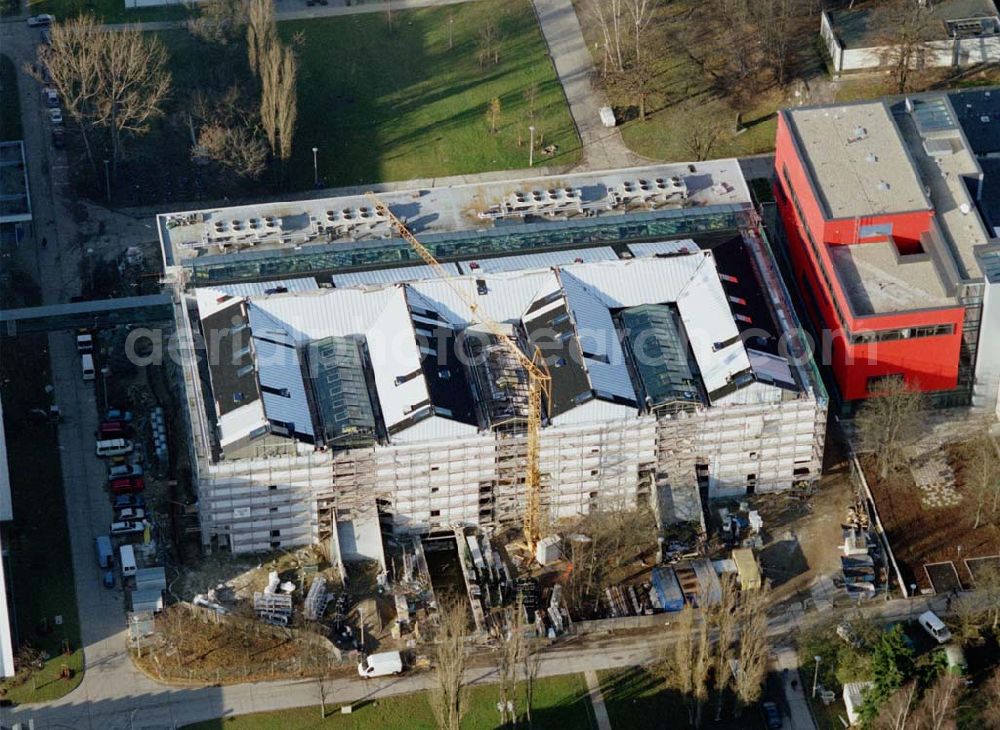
(636, 698)
(383, 106)
(110, 11)
(10, 110)
(560, 702)
(40, 570)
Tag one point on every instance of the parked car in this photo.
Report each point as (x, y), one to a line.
(381, 665)
(58, 139)
(41, 21)
(129, 500)
(129, 514)
(46, 36)
(108, 578)
(111, 447)
(114, 430)
(124, 470)
(934, 626)
(126, 485)
(771, 715)
(126, 528)
(51, 96)
(55, 116)
(114, 414)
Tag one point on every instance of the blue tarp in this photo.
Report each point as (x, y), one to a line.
(668, 590)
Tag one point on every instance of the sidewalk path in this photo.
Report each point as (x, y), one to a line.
(597, 700)
(796, 704)
(283, 12)
(603, 148)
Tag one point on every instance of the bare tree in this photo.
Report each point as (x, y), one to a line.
(641, 14)
(700, 139)
(530, 99)
(610, 16)
(687, 664)
(724, 617)
(987, 580)
(237, 148)
(489, 40)
(115, 81)
(219, 21)
(895, 713)
(509, 660)
(906, 26)
(449, 695)
(262, 32)
(990, 716)
(939, 707)
(321, 690)
(754, 645)
(888, 422)
(493, 114)
(531, 662)
(278, 100)
(982, 471)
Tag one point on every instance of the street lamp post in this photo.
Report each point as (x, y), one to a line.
(315, 168)
(816, 674)
(107, 179)
(531, 146)
(104, 380)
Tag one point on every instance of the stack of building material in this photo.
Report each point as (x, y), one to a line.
(666, 593)
(316, 600)
(747, 570)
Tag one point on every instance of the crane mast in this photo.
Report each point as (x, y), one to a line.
(539, 380)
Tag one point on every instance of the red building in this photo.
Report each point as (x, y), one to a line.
(871, 255)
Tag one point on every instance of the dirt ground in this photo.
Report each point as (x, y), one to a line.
(802, 533)
(920, 535)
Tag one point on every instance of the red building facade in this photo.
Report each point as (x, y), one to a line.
(863, 347)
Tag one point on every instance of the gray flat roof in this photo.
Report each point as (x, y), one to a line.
(859, 28)
(284, 226)
(877, 281)
(858, 160)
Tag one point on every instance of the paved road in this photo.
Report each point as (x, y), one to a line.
(603, 148)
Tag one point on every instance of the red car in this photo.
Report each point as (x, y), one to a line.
(127, 485)
(114, 430)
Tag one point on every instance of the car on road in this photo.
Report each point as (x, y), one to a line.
(127, 527)
(108, 579)
(58, 139)
(41, 21)
(55, 116)
(51, 96)
(771, 715)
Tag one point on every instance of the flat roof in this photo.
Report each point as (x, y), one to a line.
(878, 281)
(978, 111)
(15, 202)
(284, 226)
(858, 160)
(859, 28)
(947, 167)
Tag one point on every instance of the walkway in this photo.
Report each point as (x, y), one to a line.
(597, 700)
(603, 148)
(795, 706)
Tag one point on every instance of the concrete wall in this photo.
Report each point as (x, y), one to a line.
(833, 46)
(988, 357)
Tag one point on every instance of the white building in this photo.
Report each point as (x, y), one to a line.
(329, 403)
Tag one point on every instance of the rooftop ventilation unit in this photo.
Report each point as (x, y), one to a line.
(883, 186)
(858, 134)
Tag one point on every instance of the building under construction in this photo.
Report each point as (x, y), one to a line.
(339, 390)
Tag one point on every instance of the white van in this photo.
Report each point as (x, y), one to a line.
(381, 665)
(127, 556)
(114, 447)
(934, 626)
(87, 363)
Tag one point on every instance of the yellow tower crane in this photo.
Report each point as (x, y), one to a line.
(539, 380)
